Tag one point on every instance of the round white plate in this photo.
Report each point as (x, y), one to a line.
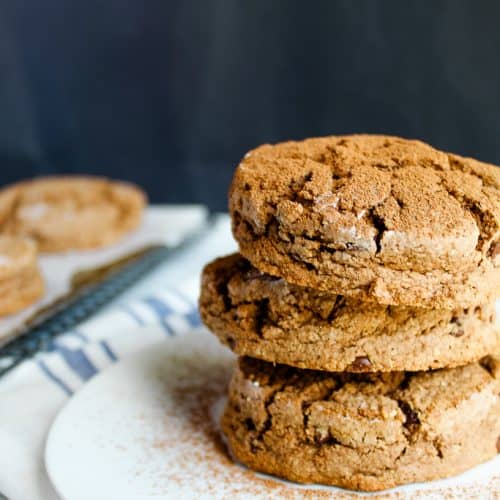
(145, 428)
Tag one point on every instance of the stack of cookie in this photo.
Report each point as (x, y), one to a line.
(363, 306)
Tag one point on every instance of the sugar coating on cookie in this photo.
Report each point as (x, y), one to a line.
(265, 317)
(21, 282)
(16, 255)
(65, 213)
(377, 217)
(367, 431)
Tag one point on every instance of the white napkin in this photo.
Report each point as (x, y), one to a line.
(32, 394)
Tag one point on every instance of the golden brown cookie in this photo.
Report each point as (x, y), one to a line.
(373, 217)
(365, 431)
(265, 317)
(65, 213)
(21, 283)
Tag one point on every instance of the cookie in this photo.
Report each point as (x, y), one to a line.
(66, 213)
(362, 431)
(21, 283)
(374, 217)
(265, 317)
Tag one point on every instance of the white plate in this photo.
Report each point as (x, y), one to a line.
(145, 429)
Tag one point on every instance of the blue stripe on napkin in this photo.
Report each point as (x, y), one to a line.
(78, 362)
(162, 310)
(193, 318)
(133, 315)
(80, 335)
(108, 351)
(77, 350)
(54, 378)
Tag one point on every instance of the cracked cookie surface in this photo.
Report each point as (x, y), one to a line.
(362, 431)
(66, 213)
(376, 217)
(261, 316)
(21, 282)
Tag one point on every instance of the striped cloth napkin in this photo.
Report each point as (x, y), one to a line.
(32, 395)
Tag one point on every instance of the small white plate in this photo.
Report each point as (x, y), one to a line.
(145, 428)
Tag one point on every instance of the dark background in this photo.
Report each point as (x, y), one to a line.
(170, 94)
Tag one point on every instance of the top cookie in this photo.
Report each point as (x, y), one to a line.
(64, 213)
(375, 217)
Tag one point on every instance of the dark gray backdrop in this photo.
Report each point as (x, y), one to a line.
(170, 94)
